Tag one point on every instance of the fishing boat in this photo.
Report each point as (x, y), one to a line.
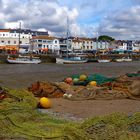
(124, 59)
(103, 60)
(28, 59)
(23, 60)
(72, 60)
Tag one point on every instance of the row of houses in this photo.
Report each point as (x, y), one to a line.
(39, 41)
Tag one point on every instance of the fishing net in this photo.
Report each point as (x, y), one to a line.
(20, 119)
(113, 127)
(100, 79)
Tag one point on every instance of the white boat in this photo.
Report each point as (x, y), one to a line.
(124, 59)
(72, 60)
(103, 60)
(23, 60)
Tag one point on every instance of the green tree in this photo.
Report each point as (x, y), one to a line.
(105, 38)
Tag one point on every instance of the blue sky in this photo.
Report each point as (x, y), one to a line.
(91, 18)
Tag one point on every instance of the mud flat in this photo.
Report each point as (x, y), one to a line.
(21, 76)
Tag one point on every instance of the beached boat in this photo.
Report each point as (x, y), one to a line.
(103, 60)
(74, 59)
(29, 59)
(124, 59)
(23, 60)
(71, 60)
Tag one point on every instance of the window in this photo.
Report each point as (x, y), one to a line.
(39, 40)
(3, 34)
(14, 42)
(39, 45)
(88, 47)
(55, 41)
(8, 42)
(2, 41)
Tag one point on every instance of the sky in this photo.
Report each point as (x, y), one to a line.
(87, 18)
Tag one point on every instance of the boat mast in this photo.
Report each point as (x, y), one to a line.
(67, 34)
(19, 36)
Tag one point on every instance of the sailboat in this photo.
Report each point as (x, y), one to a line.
(73, 59)
(23, 59)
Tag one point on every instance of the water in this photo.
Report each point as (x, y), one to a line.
(22, 75)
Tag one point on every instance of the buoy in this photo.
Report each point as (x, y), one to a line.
(93, 83)
(69, 80)
(82, 77)
(65, 95)
(75, 80)
(45, 102)
(70, 95)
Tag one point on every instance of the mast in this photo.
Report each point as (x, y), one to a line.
(19, 36)
(67, 35)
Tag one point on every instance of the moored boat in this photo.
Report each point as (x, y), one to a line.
(104, 60)
(72, 60)
(124, 59)
(23, 60)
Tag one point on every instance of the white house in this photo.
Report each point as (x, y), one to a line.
(11, 38)
(45, 44)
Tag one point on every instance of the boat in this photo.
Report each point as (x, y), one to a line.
(124, 59)
(23, 60)
(29, 59)
(74, 59)
(71, 60)
(103, 60)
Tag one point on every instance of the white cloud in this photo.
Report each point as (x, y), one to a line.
(37, 14)
(122, 25)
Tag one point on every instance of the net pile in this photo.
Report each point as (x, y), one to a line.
(20, 119)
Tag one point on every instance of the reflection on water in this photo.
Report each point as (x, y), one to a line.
(22, 75)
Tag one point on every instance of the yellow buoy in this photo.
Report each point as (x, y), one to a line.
(82, 77)
(93, 83)
(45, 102)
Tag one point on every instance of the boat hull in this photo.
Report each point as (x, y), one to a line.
(124, 60)
(23, 62)
(64, 61)
(104, 61)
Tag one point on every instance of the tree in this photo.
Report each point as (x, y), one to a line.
(105, 38)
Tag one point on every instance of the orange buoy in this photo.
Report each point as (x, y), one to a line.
(45, 102)
(69, 80)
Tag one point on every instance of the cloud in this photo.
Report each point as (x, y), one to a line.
(36, 14)
(122, 25)
(117, 18)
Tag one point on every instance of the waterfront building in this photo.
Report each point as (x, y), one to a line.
(78, 44)
(9, 38)
(45, 44)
